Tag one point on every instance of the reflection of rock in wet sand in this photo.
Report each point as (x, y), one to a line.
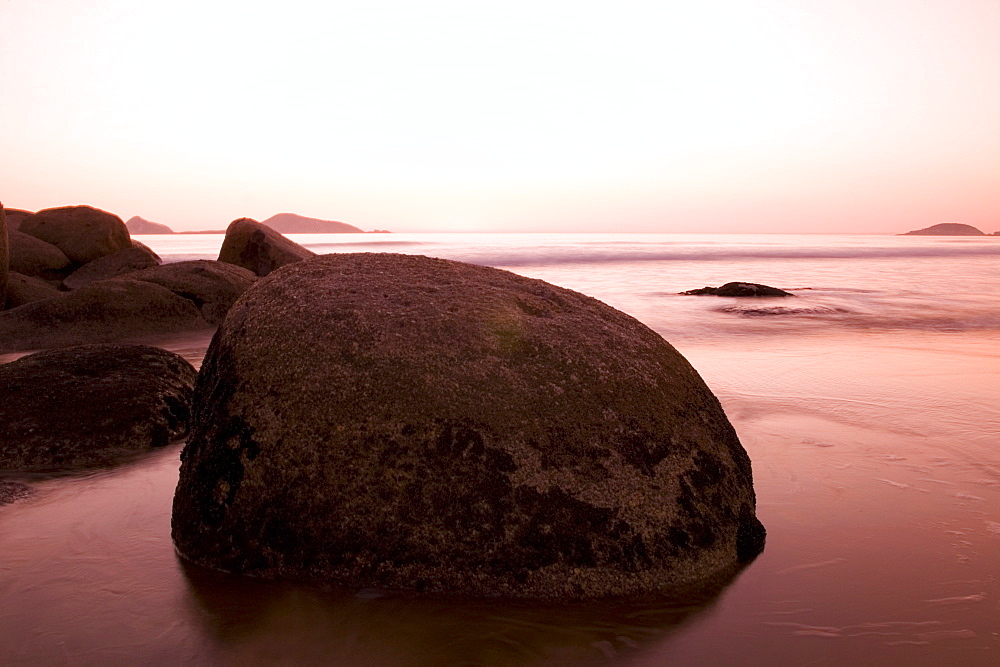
(251, 619)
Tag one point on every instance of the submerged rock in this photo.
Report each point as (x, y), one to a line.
(739, 289)
(11, 492)
(102, 312)
(91, 405)
(259, 248)
(404, 422)
(84, 233)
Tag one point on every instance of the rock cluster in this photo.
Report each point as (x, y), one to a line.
(404, 422)
(75, 276)
(91, 405)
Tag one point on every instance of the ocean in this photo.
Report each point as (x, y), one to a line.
(869, 403)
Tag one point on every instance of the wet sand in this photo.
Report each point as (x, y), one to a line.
(877, 470)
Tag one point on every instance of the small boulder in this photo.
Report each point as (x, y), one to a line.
(209, 285)
(739, 289)
(106, 311)
(119, 263)
(91, 405)
(84, 233)
(395, 421)
(259, 248)
(34, 257)
(23, 289)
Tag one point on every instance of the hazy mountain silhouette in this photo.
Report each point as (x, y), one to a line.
(946, 229)
(137, 225)
(290, 223)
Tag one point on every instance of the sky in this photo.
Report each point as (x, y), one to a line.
(797, 116)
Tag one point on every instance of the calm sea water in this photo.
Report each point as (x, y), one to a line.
(869, 404)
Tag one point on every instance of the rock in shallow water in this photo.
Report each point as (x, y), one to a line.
(404, 422)
(91, 405)
(739, 289)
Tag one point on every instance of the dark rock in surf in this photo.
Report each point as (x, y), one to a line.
(259, 248)
(946, 229)
(115, 310)
(211, 286)
(404, 422)
(84, 233)
(32, 256)
(28, 289)
(123, 262)
(739, 289)
(91, 405)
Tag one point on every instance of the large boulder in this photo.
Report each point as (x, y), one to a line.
(102, 312)
(209, 285)
(405, 422)
(259, 248)
(34, 257)
(23, 289)
(123, 262)
(90, 405)
(84, 233)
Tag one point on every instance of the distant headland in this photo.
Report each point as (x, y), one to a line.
(948, 229)
(283, 223)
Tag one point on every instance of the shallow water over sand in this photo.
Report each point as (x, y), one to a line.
(876, 453)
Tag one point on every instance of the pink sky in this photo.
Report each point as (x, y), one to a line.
(875, 116)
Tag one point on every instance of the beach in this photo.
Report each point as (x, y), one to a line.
(868, 403)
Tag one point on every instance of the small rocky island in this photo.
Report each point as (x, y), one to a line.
(947, 229)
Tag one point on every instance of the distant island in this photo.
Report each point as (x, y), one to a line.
(137, 225)
(947, 229)
(283, 223)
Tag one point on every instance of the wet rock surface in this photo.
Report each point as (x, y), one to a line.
(739, 289)
(404, 422)
(91, 405)
(259, 248)
(12, 492)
